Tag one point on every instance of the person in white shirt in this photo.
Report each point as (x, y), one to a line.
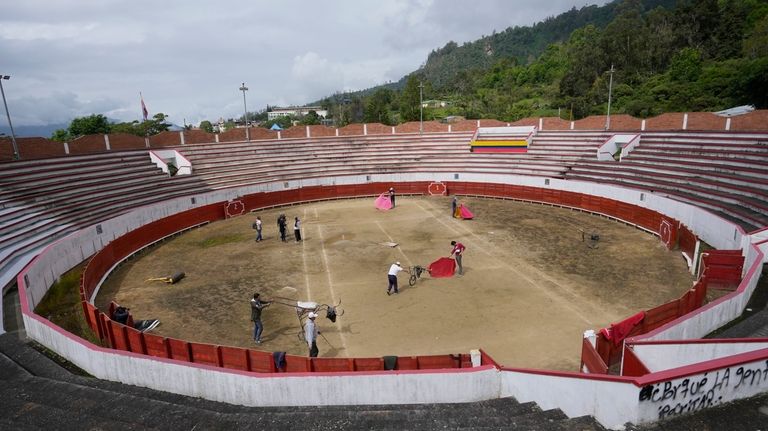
(257, 226)
(392, 276)
(297, 229)
(310, 334)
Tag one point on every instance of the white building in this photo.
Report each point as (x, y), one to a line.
(296, 111)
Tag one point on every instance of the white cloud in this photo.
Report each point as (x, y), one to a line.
(76, 57)
(78, 32)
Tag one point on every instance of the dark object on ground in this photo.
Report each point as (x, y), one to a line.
(146, 325)
(120, 315)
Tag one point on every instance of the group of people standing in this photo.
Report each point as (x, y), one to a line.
(282, 224)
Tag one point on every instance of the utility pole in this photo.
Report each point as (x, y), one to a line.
(13, 134)
(610, 87)
(421, 107)
(243, 88)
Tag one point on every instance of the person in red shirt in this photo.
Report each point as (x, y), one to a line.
(458, 250)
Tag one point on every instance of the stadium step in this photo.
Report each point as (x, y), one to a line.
(37, 393)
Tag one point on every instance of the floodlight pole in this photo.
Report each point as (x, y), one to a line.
(13, 134)
(610, 87)
(243, 88)
(421, 107)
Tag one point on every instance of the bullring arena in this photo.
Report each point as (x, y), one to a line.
(679, 205)
(523, 314)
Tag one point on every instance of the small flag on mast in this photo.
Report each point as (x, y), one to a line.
(144, 111)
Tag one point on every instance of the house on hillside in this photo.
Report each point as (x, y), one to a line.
(296, 111)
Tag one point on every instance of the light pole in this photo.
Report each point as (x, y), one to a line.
(13, 135)
(610, 87)
(421, 107)
(243, 88)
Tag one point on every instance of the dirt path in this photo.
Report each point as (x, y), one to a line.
(531, 285)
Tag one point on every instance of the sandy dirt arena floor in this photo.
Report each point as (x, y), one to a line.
(531, 285)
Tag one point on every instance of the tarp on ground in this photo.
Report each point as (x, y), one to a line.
(443, 267)
(275, 127)
(383, 202)
(463, 212)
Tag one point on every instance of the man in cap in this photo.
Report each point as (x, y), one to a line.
(392, 278)
(392, 196)
(310, 334)
(257, 305)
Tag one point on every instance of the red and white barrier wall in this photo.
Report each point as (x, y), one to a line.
(612, 400)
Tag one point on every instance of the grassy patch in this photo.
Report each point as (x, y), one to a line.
(219, 240)
(61, 305)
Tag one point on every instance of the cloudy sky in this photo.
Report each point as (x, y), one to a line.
(69, 58)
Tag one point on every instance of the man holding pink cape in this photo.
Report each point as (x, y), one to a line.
(383, 202)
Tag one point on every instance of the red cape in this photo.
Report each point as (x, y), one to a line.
(443, 267)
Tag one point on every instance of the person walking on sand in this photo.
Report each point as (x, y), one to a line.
(310, 334)
(281, 224)
(458, 250)
(257, 305)
(392, 196)
(392, 278)
(297, 229)
(257, 226)
(454, 205)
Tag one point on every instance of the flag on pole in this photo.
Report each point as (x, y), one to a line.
(144, 111)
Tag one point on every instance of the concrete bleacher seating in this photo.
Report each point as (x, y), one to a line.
(246, 163)
(726, 173)
(43, 200)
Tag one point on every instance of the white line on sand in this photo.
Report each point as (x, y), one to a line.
(330, 282)
(304, 260)
(563, 301)
(399, 249)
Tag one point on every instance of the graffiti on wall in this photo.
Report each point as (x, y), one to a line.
(704, 391)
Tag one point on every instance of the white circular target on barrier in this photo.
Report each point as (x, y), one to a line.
(234, 208)
(665, 233)
(437, 188)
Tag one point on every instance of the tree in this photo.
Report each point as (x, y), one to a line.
(311, 118)
(409, 100)
(61, 135)
(206, 126)
(90, 125)
(377, 107)
(686, 65)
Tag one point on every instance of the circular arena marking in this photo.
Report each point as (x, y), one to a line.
(234, 208)
(530, 288)
(437, 188)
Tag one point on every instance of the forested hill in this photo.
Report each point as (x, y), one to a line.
(694, 55)
(523, 44)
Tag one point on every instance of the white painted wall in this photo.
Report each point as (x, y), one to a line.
(658, 357)
(261, 389)
(506, 131)
(612, 403)
(688, 394)
(161, 158)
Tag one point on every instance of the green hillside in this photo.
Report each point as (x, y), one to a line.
(702, 55)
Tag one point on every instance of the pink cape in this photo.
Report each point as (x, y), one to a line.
(382, 202)
(443, 267)
(465, 213)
